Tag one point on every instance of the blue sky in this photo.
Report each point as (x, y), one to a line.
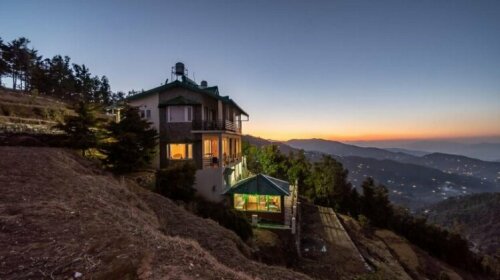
(347, 70)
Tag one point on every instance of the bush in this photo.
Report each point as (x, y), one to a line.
(226, 217)
(364, 222)
(176, 181)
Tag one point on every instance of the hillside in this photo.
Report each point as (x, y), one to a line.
(412, 181)
(448, 163)
(413, 185)
(60, 215)
(22, 112)
(476, 216)
(485, 170)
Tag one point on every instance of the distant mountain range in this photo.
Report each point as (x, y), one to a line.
(489, 151)
(414, 179)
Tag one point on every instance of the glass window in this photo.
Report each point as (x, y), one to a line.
(180, 151)
(257, 203)
(273, 203)
(179, 114)
(239, 201)
(148, 114)
(189, 112)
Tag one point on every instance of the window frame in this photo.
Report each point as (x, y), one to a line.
(188, 151)
(188, 114)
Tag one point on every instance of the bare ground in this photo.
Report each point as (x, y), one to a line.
(60, 215)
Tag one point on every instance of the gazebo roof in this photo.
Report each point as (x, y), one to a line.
(261, 184)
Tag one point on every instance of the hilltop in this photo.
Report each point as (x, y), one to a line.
(59, 215)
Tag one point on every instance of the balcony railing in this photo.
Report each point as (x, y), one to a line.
(213, 161)
(217, 125)
(228, 159)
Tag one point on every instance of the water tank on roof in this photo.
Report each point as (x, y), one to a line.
(179, 69)
(203, 84)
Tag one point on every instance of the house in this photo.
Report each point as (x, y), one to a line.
(270, 200)
(196, 123)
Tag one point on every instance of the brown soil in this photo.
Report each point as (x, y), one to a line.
(60, 215)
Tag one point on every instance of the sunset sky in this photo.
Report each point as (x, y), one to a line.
(342, 70)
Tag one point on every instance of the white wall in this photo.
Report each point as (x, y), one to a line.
(150, 103)
(210, 183)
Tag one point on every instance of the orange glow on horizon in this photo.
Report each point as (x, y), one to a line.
(283, 136)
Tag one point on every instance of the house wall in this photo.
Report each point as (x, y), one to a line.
(210, 183)
(150, 103)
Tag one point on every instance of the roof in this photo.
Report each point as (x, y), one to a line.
(179, 100)
(261, 184)
(191, 85)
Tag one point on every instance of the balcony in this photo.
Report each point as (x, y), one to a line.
(217, 125)
(213, 161)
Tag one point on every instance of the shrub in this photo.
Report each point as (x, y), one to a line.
(176, 181)
(226, 217)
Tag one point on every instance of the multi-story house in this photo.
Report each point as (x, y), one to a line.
(195, 123)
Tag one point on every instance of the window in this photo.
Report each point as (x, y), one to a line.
(257, 203)
(179, 151)
(179, 114)
(145, 113)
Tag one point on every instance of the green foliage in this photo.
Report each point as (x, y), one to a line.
(82, 130)
(273, 162)
(299, 171)
(132, 144)
(364, 222)
(325, 182)
(226, 217)
(331, 187)
(176, 181)
(375, 203)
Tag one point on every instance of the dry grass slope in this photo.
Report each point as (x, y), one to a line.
(60, 215)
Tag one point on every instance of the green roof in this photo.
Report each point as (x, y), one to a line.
(179, 100)
(261, 184)
(191, 85)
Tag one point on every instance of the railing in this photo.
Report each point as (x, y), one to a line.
(213, 161)
(228, 159)
(216, 125)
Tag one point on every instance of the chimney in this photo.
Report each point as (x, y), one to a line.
(203, 84)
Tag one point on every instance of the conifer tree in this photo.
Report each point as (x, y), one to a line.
(82, 129)
(132, 142)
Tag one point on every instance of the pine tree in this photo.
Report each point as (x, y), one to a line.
(82, 130)
(133, 142)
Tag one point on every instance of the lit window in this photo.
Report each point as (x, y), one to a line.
(179, 114)
(257, 203)
(179, 151)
